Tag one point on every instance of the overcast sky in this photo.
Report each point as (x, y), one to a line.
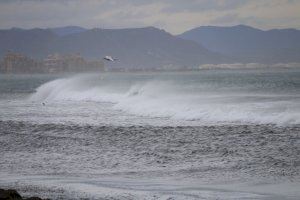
(175, 16)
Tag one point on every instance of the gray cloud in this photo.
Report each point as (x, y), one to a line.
(203, 5)
(173, 15)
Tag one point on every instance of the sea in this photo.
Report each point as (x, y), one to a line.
(207, 134)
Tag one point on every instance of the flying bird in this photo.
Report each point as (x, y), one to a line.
(109, 58)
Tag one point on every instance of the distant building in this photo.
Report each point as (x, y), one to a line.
(18, 63)
(1, 67)
(54, 63)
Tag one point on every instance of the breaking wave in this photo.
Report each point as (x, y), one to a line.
(174, 100)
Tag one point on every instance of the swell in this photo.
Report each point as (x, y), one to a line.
(203, 152)
(159, 98)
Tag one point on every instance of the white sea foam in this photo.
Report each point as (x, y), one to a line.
(249, 66)
(124, 188)
(170, 99)
(75, 89)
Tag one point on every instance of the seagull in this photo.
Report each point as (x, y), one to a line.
(109, 58)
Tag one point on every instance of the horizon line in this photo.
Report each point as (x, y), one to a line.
(143, 27)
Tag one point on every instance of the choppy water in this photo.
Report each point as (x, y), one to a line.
(190, 135)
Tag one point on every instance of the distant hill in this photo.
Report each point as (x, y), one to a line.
(247, 44)
(137, 47)
(67, 30)
(34, 42)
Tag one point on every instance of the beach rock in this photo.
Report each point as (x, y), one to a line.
(33, 198)
(14, 195)
(9, 195)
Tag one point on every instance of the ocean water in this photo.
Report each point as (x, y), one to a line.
(215, 134)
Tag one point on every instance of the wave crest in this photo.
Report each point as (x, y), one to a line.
(174, 100)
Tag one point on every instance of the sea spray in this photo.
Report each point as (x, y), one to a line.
(218, 101)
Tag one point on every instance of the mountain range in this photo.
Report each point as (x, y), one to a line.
(152, 47)
(67, 30)
(247, 44)
(136, 47)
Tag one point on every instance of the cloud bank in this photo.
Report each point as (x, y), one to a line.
(174, 16)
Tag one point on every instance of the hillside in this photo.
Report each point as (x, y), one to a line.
(135, 48)
(247, 44)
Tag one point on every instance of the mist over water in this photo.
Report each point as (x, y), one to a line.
(207, 97)
(215, 134)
